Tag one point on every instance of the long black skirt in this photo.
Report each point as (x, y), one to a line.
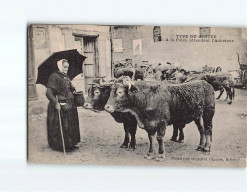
(70, 127)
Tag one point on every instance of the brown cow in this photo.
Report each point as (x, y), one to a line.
(98, 94)
(155, 106)
(219, 81)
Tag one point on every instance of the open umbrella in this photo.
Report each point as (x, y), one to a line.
(49, 66)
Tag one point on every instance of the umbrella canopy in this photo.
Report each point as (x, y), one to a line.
(49, 66)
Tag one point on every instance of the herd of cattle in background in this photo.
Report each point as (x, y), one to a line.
(154, 98)
(167, 72)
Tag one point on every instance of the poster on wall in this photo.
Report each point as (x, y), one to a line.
(186, 107)
(137, 46)
(118, 45)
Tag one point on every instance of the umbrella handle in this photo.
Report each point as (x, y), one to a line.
(61, 130)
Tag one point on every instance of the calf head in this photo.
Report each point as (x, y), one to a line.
(120, 95)
(98, 94)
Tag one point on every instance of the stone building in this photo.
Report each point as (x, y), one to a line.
(178, 45)
(105, 46)
(91, 41)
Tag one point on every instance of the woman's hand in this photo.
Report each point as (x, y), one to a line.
(58, 107)
(65, 107)
(73, 90)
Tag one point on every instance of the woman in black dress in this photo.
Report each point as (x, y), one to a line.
(60, 93)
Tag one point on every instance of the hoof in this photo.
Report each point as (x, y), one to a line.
(206, 149)
(160, 158)
(181, 141)
(229, 103)
(124, 146)
(173, 139)
(199, 148)
(149, 156)
(131, 148)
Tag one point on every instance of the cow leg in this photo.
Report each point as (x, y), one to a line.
(132, 130)
(181, 134)
(199, 124)
(208, 130)
(151, 154)
(160, 138)
(130, 127)
(221, 92)
(132, 145)
(229, 93)
(127, 136)
(175, 133)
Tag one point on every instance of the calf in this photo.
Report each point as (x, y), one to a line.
(98, 94)
(155, 106)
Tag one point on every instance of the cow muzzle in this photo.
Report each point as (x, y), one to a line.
(109, 108)
(88, 106)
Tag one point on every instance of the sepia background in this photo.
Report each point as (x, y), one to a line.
(16, 174)
(106, 46)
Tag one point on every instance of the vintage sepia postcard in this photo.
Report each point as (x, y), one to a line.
(137, 95)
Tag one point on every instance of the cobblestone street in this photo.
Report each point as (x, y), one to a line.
(101, 138)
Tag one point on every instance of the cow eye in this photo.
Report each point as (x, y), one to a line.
(119, 92)
(96, 92)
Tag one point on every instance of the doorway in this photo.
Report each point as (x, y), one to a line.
(91, 64)
(87, 46)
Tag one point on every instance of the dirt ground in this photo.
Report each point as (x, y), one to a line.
(101, 138)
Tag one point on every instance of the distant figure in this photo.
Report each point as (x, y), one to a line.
(60, 93)
(208, 69)
(218, 69)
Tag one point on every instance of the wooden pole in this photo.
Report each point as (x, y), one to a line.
(61, 131)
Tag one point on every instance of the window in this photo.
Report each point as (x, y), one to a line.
(40, 37)
(205, 31)
(157, 34)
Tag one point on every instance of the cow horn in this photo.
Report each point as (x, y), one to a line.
(97, 85)
(101, 82)
(104, 83)
(128, 82)
(129, 85)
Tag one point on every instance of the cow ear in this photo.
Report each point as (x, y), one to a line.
(133, 89)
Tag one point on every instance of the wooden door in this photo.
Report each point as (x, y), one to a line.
(91, 67)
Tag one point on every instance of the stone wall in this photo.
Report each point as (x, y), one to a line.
(190, 55)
